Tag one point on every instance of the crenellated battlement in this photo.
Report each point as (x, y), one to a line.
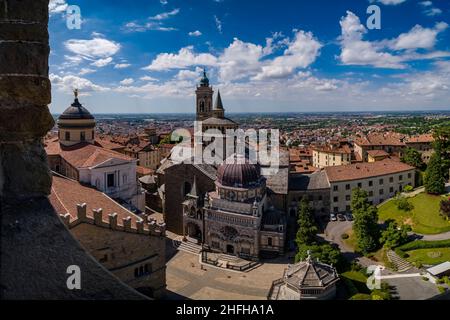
(114, 222)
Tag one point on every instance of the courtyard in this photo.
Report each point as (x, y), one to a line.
(188, 279)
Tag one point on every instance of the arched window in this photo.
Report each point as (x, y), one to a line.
(124, 179)
(67, 136)
(202, 106)
(82, 136)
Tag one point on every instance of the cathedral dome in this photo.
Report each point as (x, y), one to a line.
(76, 111)
(239, 175)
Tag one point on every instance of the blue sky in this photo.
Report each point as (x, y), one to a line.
(284, 55)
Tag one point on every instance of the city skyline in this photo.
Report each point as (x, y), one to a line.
(148, 57)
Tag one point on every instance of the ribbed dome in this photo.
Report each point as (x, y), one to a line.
(238, 175)
(76, 111)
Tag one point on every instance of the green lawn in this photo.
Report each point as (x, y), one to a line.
(356, 282)
(424, 218)
(429, 256)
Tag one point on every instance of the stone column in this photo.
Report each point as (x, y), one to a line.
(24, 96)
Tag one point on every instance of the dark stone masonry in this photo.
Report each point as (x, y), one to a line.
(35, 247)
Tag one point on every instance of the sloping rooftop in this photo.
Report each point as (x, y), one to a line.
(310, 274)
(440, 268)
(381, 139)
(377, 153)
(366, 170)
(83, 155)
(315, 181)
(67, 194)
(423, 138)
(218, 121)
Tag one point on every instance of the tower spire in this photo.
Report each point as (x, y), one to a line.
(219, 105)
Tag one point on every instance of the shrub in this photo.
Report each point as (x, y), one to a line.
(420, 244)
(408, 188)
(355, 266)
(442, 289)
(345, 236)
(404, 205)
(445, 208)
(361, 296)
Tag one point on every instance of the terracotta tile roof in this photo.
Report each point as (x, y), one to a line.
(381, 139)
(142, 146)
(377, 153)
(358, 157)
(107, 143)
(295, 155)
(344, 149)
(67, 194)
(143, 171)
(83, 155)
(365, 170)
(423, 138)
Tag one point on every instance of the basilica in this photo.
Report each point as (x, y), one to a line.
(233, 209)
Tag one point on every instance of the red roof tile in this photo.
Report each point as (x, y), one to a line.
(67, 194)
(365, 170)
(83, 155)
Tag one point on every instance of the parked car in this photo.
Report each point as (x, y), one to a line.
(349, 216)
(341, 217)
(333, 217)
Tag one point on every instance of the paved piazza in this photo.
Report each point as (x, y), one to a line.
(185, 278)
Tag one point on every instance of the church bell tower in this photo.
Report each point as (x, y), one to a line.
(204, 94)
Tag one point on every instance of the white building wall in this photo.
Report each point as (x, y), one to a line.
(378, 191)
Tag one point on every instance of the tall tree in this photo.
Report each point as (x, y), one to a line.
(442, 147)
(394, 236)
(413, 158)
(365, 225)
(307, 228)
(434, 176)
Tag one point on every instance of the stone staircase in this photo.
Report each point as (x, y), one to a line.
(275, 290)
(187, 246)
(400, 263)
